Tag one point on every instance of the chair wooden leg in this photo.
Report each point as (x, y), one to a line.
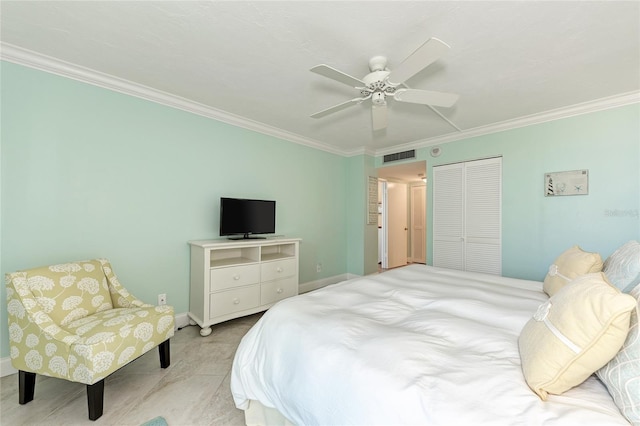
(95, 398)
(165, 354)
(26, 386)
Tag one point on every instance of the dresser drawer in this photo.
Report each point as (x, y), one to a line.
(273, 291)
(239, 299)
(234, 276)
(278, 269)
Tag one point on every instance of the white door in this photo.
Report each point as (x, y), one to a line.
(397, 224)
(448, 230)
(418, 224)
(467, 216)
(483, 216)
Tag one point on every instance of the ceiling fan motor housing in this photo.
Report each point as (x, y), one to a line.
(378, 63)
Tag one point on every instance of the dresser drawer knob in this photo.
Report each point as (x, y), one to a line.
(279, 269)
(279, 291)
(236, 301)
(236, 277)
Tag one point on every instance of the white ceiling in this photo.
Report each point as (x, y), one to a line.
(248, 62)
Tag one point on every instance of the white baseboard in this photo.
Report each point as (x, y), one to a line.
(314, 285)
(182, 320)
(6, 369)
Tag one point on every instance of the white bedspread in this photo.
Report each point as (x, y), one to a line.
(416, 345)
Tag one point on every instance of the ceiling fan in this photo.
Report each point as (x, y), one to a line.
(382, 83)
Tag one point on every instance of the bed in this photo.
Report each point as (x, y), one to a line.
(415, 345)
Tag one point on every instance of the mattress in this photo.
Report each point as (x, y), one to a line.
(415, 345)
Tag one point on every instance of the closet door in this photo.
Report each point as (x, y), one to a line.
(448, 231)
(482, 211)
(467, 222)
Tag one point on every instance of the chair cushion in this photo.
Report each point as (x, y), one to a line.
(106, 341)
(70, 291)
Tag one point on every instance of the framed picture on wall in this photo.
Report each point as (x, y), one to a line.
(574, 182)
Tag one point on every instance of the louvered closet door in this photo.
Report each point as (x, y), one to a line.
(467, 222)
(448, 231)
(483, 201)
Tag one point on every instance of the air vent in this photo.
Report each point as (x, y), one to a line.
(399, 156)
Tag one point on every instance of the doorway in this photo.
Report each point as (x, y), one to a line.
(402, 225)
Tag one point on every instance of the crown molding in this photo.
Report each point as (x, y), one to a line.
(552, 115)
(363, 150)
(28, 58)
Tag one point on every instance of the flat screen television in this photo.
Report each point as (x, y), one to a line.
(242, 218)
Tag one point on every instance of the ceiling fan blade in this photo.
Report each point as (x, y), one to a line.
(334, 74)
(424, 56)
(426, 97)
(379, 116)
(336, 108)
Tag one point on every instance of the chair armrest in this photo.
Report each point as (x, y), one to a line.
(120, 296)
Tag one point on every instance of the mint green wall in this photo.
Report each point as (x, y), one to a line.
(536, 229)
(87, 172)
(362, 239)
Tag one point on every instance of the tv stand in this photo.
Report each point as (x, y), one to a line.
(231, 279)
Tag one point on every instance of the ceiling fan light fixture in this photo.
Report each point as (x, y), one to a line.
(378, 98)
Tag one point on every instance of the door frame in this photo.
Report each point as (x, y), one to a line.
(412, 206)
(410, 173)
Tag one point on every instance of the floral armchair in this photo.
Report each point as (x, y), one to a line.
(75, 321)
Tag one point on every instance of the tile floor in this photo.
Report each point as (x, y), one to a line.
(194, 390)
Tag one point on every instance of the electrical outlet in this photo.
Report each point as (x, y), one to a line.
(162, 299)
(318, 267)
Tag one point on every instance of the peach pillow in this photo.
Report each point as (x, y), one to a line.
(569, 265)
(576, 332)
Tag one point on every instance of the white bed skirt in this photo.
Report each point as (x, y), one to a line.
(259, 415)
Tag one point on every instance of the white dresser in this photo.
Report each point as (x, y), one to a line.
(230, 279)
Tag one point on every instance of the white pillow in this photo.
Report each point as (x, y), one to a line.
(622, 374)
(622, 268)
